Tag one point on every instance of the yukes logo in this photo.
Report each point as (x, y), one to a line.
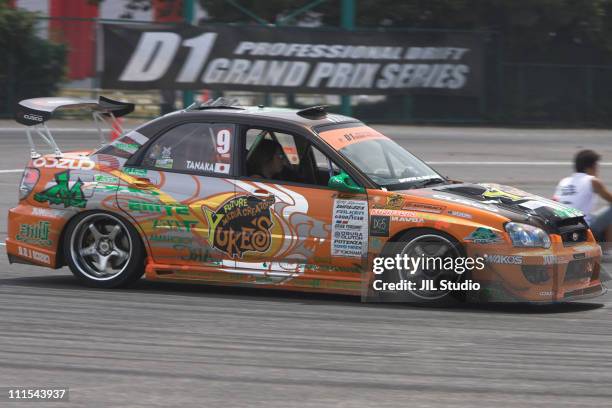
(241, 224)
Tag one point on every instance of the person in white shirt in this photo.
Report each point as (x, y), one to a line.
(579, 191)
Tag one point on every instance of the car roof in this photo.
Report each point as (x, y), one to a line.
(269, 113)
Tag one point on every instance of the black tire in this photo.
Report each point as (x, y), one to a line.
(103, 250)
(430, 237)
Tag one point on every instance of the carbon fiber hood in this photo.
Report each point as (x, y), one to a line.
(510, 202)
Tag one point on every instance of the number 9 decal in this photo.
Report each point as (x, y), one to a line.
(223, 141)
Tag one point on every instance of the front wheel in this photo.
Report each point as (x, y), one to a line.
(434, 248)
(103, 250)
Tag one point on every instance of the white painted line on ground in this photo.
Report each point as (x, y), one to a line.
(11, 171)
(508, 163)
(2, 243)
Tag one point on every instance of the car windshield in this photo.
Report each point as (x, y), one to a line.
(384, 161)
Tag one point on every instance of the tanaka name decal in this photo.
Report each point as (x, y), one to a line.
(241, 224)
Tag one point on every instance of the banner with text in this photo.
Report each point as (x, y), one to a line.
(257, 58)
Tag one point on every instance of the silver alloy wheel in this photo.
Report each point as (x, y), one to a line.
(430, 246)
(101, 246)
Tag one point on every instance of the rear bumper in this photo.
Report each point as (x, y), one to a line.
(34, 234)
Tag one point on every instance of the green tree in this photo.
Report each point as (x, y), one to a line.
(31, 66)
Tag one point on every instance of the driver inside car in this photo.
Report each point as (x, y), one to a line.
(269, 162)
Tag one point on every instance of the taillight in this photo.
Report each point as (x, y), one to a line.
(28, 181)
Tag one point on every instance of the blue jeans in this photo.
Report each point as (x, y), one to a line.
(600, 220)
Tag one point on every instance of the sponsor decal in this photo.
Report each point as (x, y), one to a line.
(504, 259)
(551, 260)
(166, 209)
(567, 212)
(127, 190)
(37, 234)
(393, 202)
(162, 155)
(350, 228)
(63, 193)
(164, 163)
(47, 212)
(133, 171)
(126, 147)
(175, 225)
(589, 248)
(189, 253)
(173, 239)
(423, 207)
(558, 210)
(341, 138)
(483, 235)
(467, 202)
(240, 225)
(397, 213)
(33, 254)
(379, 226)
(64, 163)
(495, 193)
(459, 214)
(105, 178)
(415, 220)
(506, 189)
(415, 178)
(35, 118)
(532, 204)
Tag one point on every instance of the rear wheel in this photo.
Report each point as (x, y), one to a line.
(103, 250)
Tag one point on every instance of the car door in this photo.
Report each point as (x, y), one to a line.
(310, 231)
(182, 173)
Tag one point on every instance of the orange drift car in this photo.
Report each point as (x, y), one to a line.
(301, 200)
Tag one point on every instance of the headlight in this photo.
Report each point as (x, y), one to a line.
(523, 235)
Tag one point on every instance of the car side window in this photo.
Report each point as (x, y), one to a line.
(325, 168)
(193, 147)
(279, 156)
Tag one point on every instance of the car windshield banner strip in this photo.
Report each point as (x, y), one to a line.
(305, 60)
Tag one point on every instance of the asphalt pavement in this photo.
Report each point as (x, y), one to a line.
(162, 344)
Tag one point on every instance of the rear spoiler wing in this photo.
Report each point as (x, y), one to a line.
(35, 112)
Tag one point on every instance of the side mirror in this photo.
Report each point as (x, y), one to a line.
(343, 182)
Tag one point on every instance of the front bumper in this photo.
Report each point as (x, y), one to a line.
(560, 273)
